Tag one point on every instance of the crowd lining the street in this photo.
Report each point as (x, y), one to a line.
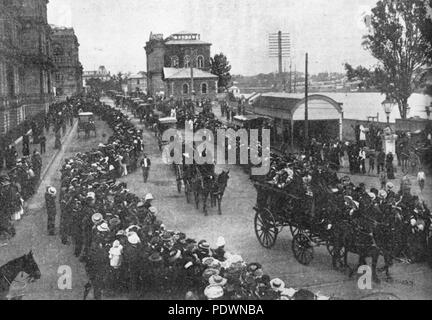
(125, 246)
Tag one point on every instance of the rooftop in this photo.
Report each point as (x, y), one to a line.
(184, 73)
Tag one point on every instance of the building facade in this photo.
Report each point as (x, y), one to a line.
(101, 73)
(26, 63)
(68, 74)
(137, 82)
(169, 64)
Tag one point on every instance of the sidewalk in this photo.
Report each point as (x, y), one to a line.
(50, 151)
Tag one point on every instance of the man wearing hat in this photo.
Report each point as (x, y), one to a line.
(145, 166)
(50, 197)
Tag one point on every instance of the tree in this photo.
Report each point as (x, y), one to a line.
(395, 38)
(221, 67)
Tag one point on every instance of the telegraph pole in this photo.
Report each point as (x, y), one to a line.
(192, 60)
(290, 78)
(306, 102)
(279, 47)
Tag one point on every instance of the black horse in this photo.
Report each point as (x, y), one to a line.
(365, 242)
(10, 271)
(218, 190)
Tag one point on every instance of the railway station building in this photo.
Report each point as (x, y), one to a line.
(325, 116)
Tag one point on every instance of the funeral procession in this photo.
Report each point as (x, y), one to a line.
(278, 150)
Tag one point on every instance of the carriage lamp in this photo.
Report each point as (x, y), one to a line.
(388, 105)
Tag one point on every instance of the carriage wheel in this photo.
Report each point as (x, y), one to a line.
(294, 230)
(302, 249)
(266, 229)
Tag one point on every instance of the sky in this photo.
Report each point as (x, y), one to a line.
(113, 33)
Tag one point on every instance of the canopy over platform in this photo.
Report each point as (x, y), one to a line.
(286, 109)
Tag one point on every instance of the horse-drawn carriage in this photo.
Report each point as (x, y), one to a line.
(334, 220)
(86, 123)
(163, 124)
(277, 209)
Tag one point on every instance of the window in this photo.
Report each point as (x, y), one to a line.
(174, 62)
(138, 82)
(187, 62)
(10, 76)
(200, 62)
(204, 88)
(185, 88)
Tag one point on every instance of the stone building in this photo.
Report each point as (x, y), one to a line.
(26, 63)
(137, 82)
(101, 73)
(68, 74)
(169, 64)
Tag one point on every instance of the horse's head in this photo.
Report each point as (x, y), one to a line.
(30, 267)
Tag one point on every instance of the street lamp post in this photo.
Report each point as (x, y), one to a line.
(428, 111)
(388, 105)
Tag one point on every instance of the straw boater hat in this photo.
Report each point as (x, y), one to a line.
(155, 257)
(372, 195)
(52, 191)
(212, 263)
(382, 194)
(148, 196)
(96, 218)
(133, 238)
(103, 227)
(217, 280)
(277, 284)
(174, 255)
(153, 210)
(213, 292)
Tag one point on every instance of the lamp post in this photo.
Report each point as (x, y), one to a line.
(388, 105)
(428, 111)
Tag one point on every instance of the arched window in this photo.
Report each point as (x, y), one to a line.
(185, 88)
(200, 62)
(204, 88)
(174, 62)
(187, 62)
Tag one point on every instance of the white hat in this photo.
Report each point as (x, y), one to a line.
(153, 210)
(372, 195)
(52, 191)
(148, 196)
(116, 244)
(220, 242)
(91, 195)
(133, 238)
(96, 218)
(413, 222)
(103, 227)
(277, 284)
(213, 292)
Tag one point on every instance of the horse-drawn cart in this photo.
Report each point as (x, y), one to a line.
(86, 123)
(164, 124)
(277, 209)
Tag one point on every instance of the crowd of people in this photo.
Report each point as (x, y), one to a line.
(127, 249)
(22, 176)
